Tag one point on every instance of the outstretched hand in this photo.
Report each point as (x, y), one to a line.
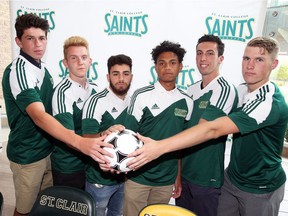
(148, 152)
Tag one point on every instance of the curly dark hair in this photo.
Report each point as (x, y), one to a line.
(167, 46)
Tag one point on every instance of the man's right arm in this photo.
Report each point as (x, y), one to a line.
(90, 147)
(190, 137)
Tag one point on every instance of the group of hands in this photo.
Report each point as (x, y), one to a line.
(148, 152)
(94, 147)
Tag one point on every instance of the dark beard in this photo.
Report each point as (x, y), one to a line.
(120, 92)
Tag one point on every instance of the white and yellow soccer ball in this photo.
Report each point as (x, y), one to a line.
(124, 142)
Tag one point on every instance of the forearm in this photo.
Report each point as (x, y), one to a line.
(199, 134)
(58, 131)
(190, 137)
(88, 146)
(187, 138)
(48, 123)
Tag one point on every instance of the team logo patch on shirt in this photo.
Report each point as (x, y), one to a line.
(155, 106)
(180, 112)
(203, 104)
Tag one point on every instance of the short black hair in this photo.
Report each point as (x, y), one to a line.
(27, 21)
(119, 59)
(215, 39)
(167, 46)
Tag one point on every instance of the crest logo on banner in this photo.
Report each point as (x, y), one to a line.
(44, 13)
(126, 23)
(238, 28)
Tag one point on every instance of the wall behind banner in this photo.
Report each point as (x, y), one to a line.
(134, 28)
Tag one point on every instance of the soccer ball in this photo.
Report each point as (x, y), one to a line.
(124, 142)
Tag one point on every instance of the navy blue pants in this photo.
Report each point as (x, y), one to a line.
(203, 201)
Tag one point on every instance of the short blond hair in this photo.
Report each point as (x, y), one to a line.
(74, 41)
(267, 44)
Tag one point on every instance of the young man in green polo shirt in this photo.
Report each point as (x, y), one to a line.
(213, 97)
(159, 110)
(68, 164)
(104, 113)
(27, 89)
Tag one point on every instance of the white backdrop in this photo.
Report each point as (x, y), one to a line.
(135, 27)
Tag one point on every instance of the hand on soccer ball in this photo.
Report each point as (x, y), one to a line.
(148, 152)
